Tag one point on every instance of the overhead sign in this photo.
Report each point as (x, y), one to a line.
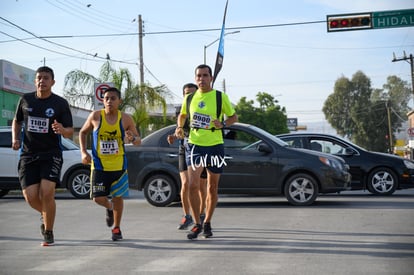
(393, 19)
(100, 89)
(370, 20)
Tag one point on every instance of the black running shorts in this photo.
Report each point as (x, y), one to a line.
(32, 169)
(182, 163)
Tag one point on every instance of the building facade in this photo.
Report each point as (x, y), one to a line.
(16, 80)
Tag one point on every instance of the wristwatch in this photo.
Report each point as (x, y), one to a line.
(224, 123)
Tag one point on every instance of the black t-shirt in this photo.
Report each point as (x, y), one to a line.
(38, 116)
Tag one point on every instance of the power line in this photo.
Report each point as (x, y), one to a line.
(183, 31)
(63, 46)
(397, 114)
(168, 89)
(37, 46)
(109, 16)
(200, 30)
(85, 14)
(139, 33)
(45, 38)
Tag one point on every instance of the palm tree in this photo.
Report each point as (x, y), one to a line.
(79, 86)
(136, 99)
(141, 99)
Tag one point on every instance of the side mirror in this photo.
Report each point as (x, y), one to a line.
(349, 151)
(264, 148)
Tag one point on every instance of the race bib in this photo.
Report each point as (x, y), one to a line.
(109, 147)
(200, 121)
(38, 124)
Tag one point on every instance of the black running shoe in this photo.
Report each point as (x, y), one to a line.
(109, 217)
(48, 239)
(194, 232)
(207, 230)
(116, 234)
(186, 221)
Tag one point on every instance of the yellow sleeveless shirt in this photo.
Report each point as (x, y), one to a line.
(108, 151)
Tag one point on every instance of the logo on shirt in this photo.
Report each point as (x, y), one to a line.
(201, 104)
(112, 134)
(49, 112)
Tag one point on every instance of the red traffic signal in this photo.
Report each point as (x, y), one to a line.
(347, 22)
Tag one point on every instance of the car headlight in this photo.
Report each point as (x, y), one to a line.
(332, 162)
(409, 164)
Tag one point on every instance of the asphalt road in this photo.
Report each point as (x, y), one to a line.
(351, 233)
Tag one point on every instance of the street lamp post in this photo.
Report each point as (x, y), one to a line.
(208, 45)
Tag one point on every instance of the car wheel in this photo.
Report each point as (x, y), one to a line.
(301, 189)
(79, 183)
(160, 190)
(382, 181)
(3, 192)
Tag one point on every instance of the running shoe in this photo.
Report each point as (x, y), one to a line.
(194, 232)
(207, 230)
(116, 234)
(186, 221)
(109, 217)
(48, 239)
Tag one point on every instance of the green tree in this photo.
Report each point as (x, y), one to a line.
(398, 93)
(138, 100)
(361, 109)
(337, 106)
(395, 95)
(358, 111)
(269, 115)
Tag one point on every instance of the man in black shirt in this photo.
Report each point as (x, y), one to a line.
(45, 117)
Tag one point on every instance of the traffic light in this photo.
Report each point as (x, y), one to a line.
(349, 22)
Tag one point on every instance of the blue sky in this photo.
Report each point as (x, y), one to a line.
(297, 64)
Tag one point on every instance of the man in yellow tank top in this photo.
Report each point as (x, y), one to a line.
(111, 129)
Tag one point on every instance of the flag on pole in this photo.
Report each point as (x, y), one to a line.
(220, 52)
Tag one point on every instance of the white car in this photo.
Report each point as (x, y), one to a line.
(75, 176)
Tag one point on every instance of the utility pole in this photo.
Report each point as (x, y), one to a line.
(409, 59)
(387, 105)
(141, 55)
